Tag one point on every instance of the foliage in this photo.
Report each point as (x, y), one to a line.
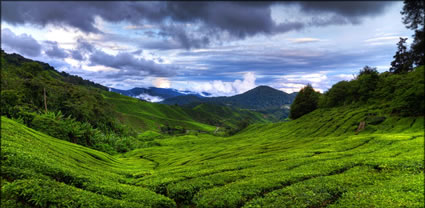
(77, 111)
(306, 101)
(413, 17)
(41, 171)
(24, 81)
(402, 59)
(403, 93)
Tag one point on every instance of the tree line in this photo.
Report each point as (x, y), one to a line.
(401, 89)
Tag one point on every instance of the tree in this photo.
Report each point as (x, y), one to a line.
(367, 80)
(306, 101)
(368, 70)
(413, 18)
(402, 61)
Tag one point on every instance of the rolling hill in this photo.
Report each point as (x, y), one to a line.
(315, 161)
(142, 116)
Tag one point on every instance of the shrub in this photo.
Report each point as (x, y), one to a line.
(307, 100)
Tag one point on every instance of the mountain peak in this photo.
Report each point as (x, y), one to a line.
(263, 89)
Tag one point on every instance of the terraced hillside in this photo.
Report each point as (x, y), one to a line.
(317, 160)
(142, 116)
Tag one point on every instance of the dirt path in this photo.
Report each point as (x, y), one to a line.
(217, 128)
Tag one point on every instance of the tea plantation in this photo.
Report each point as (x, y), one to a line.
(318, 160)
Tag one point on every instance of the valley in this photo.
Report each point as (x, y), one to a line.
(265, 165)
(168, 104)
(133, 153)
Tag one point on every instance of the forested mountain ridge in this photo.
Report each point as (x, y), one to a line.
(274, 104)
(18, 60)
(259, 98)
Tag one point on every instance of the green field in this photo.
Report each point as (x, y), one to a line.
(315, 161)
(150, 116)
(143, 116)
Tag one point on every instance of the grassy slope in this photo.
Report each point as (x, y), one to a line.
(228, 116)
(149, 116)
(46, 172)
(315, 161)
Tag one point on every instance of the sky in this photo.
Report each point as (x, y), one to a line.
(223, 48)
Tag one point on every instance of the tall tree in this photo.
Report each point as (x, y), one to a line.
(402, 60)
(413, 18)
(307, 100)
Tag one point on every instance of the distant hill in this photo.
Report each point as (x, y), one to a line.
(259, 98)
(270, 101)
(154, 94)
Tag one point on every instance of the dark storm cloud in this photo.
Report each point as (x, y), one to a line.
(23, 44)
(353, 9)
(83, 48)
(130, 65)
(182, 38)
(238, 19)
(54, 51)
(75, 54)
(77, 14)
(344, 12)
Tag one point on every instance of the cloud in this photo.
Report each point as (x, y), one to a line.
(161, 82)
(304, 40)
(129, 65)
(24, 44)
(343, 12)
(294, 82)
(346, 77)
(139, 27)
(246, 84)
(384, 40)
(291, 87)
(82, 50)
(149, 98)
(75, 54)
(222, 88)
(54, 51)
(191, 24)
(392, 38)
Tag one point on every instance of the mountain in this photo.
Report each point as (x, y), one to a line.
(269, 101)
(154, 94)
(259, 98)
